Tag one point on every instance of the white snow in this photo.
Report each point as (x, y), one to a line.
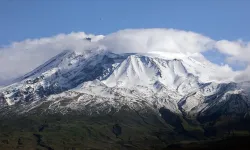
(196, 64)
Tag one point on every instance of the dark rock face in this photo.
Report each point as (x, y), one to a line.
(171, 118)
(88, 39)
(41, 143)
(2, 99)
(235, 105)
(117, 130)
(176, 121)
(210, 131)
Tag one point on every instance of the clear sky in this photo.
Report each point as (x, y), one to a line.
(218, 19)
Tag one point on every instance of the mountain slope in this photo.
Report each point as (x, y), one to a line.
(61, 73)
(100, 78)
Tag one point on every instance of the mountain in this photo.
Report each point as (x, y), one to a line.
(159, 78)
(170, 91)
(174, 81)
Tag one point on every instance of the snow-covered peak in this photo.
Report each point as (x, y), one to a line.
(69, 69)
(98, 76)
(147, 71)
(198, 65)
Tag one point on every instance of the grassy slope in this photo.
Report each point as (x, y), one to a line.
(139, 130)
(81, 132)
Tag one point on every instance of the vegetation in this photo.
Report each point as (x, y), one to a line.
(126, 129)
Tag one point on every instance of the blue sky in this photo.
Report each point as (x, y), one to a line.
(218, 19)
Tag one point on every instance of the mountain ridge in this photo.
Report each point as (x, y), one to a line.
(100, 71)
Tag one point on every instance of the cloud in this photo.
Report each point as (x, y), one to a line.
(19, 58)
(145, 40)
(243, 75)
(238, 53)
(237, 50)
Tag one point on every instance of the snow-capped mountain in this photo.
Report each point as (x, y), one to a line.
(97, 81)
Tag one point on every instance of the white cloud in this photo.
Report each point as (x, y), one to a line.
(21, 57)
(145, 40)
(238, 54)
(243, 75)
(237, 50)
